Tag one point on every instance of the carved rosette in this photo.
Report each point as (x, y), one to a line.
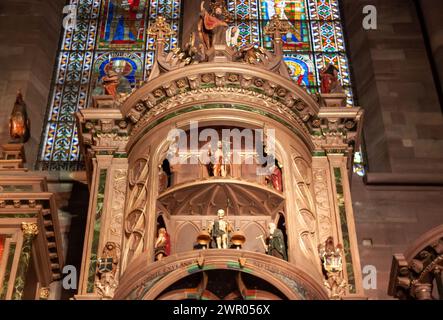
(44, 293)
(30, 230)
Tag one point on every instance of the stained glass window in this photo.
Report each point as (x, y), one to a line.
(112, 34)
(317, 39)
(107, 34)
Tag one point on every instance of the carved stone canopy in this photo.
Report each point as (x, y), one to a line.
(207, 196)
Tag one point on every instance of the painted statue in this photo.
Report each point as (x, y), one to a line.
(220, 230)
(162, 179)
(19, 126)
(275, 179)
(219, 166)
(212, 27)
(162, 246)
(329, 80)
(276, 243)
(232, 35)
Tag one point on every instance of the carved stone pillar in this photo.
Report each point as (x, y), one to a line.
(30, 230)
(433, 15)
(104, 134)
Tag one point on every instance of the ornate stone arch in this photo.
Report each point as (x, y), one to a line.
(414, 273)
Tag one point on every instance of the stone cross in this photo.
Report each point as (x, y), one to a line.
(276, 28)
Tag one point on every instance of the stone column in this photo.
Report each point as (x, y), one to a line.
(30, 230)
(433, 15)
(95, 219)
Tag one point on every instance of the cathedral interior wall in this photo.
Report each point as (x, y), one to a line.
(395, 81)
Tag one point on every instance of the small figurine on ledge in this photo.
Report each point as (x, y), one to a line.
(19, 125)
(275, 179)
(220, 230)
(162, 246)
(275, 243)
(219, 166)
(329, 80)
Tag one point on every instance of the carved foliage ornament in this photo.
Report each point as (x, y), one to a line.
(415, 279)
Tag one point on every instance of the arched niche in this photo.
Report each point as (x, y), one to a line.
(185, 237)
(252, 231)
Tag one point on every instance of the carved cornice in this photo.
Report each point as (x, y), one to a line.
(206, 75)
(102, 131)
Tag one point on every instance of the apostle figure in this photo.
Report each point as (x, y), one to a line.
(219, 161)
(276, 242)
(329, 80)
(220, 230)
(232, 35)
(212, 27)
(162, 246)
(19, 127)
(162, 179)
(275, 178)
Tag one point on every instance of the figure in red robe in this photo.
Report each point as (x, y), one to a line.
(329, 80)
(275, 178)
(162, 247)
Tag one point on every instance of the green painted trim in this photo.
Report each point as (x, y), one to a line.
(22, 269)
(319, 154)
(96, 234)
(344, 229)
(7, 275)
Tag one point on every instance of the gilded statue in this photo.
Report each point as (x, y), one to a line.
(19, 124)
(332, 258)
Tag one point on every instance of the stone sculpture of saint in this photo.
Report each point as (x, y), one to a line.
(19, 125)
